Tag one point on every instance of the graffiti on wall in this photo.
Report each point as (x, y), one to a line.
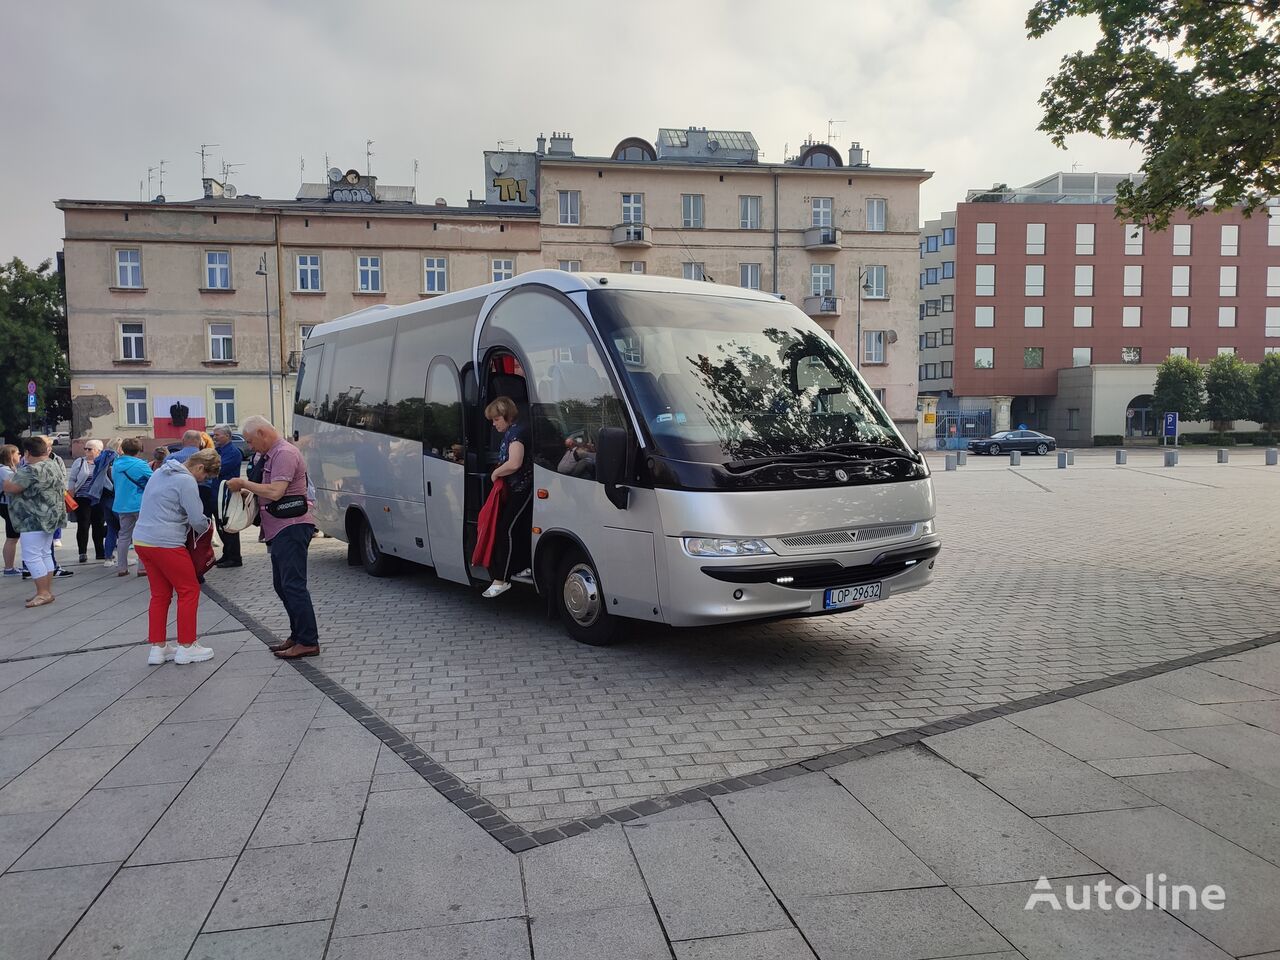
(509, 188)
(511, 177)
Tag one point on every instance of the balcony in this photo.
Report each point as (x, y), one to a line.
(822, 238)
(827, 306)
(632, 235)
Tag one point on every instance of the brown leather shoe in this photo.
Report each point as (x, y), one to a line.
(277, 647)
(298, 650)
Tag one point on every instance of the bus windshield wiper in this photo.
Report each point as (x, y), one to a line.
(811, 456)
(858, 446)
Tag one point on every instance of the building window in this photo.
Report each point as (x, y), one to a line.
(1179, 351)
(633, 266)
(1226, 351)
(220, 346)
(1230, 242)
(1035, 238)
(822, 279)
(135, 406)
(749, 275)
(1132, 317)
(984, 280)
(1273, 224)
(1182, 239)
(931, 371)
(570, 201)
(749, 213)
(217, 270)
(131, 342)
(1273, 321)
(873, 346)
(369, 274)
(435, 275)
(571, 266)
(931, 244)
(879, 394)
(931, 339)
(984, 316)
(1084, 280)
(1034, 280)
(948, 236)
(691, 210)
(503, 270)
(224, 405)
(1084, 239)
(1073, 415)
(308, 271)
(948, 269)
(1033, 316)
(930, 275)
(1033, 358)
(986, 238)
(693, 271)
(948, 303)
(946, 369)
(1267, 350)
(1181, 281)
(922, 276)
(1226, 316)
(1273, 281)
(1081, 356)
(304, 331)
(1133, 239)
(921, 249)
(876, 209)
(922, 341)
(1226, 281)
(1179, 316)
(1082, 317)
(1133, 280)
(129, 268)
(984, 358)
(932, 308)
(1130, 354)
(948, 336)
(921, 309)
(633, 208)
(873, 287)
(822, 208)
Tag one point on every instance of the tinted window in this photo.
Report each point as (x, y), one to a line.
(358, 389)
(443, 437)
(405, 390)
(305, 400)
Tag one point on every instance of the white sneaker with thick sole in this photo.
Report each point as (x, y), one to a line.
(192, 654)
(496, 589)
(160, 652)
(109, 563)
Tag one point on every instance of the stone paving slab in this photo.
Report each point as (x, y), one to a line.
(39, 908)
(630, 932)
(275, 885)
(104, 827)
(494, 940)
(771, 945)
(295, 941)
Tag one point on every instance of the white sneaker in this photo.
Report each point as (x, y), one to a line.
(192, 654)
(57, 541)
(109, 564)
(160, 652)
(526, 572)
(497, 588)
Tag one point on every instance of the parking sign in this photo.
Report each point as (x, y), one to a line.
(1171, 425)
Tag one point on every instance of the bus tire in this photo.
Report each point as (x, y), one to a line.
(376, 563)
(580, 601)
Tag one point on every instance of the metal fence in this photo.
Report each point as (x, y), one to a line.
(955, 428)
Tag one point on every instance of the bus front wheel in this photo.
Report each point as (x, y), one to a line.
(580, 601)
(376, 563)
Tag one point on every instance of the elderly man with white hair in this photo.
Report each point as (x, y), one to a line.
(89, 516)
(287, 526)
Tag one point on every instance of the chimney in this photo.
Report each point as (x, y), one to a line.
(856, 154)
(542, 144)
(561, 145)
(697, 137)
(212, 188)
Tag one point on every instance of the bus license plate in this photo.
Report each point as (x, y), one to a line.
(847, 596)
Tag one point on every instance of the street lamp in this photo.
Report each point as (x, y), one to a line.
(266, 297)
(864, 281)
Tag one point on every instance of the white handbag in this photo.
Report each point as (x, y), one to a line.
(236, 511)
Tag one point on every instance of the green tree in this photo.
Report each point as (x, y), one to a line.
(1267, 391)
(32, 345)
(1229, 385)
(1195, 83)
(1179, 388)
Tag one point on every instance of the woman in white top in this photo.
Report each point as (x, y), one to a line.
(8, 464)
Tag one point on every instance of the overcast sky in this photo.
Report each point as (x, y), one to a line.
(95, 93)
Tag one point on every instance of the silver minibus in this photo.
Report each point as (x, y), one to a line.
(702, 454)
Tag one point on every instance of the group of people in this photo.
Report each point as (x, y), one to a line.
(121, 501)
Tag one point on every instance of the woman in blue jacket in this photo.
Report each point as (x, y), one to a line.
(129, 474)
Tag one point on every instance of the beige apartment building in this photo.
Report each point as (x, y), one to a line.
(170, 304)
(832, 234)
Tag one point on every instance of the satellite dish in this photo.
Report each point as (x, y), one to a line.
(353, 177)
(713, 145)
(498, 163)
(229, 191)
(334, 174)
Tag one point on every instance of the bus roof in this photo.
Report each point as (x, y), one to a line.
(567, 283)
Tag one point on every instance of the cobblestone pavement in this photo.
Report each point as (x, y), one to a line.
(1048, 577)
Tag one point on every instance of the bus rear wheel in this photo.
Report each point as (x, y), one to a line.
(376, 563)
(580, 602)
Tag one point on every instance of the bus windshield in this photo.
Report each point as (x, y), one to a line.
(729, 381)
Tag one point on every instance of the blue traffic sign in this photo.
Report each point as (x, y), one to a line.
(31, 403)
(1171, 425)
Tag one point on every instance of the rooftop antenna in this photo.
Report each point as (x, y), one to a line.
(204, 148)
(1075, 167)
(831, 131)
(302, 169)
(227, 167)
(161, 173)
(326, 159)
(415, 179)
(503, 144)
(368, 158)
(150, 172)
(140, 196)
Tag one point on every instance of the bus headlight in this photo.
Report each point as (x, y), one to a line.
(927, 528)
(715, 547)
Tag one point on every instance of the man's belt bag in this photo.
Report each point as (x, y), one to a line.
(286, 508)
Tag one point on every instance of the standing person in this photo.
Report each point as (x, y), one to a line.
(130, 474)
(284, 475)
(101, 488)
(190, 445)
(232, 459)
(8, 464)
(511, 542)
(88, 510)
(37, 507)
(171, 507)
(158, 456)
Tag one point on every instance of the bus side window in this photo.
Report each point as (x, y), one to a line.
(304, 403)
(443, 426)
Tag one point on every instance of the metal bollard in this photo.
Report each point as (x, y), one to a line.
(1171, 458)
(1272, 453)
(1015, 458)
(1071, 458)
(1122, 456)
(951, 461)
(1222, 456)
(962, 457)
(1062, 459)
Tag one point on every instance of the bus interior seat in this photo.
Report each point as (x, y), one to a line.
(645, 386)
(574, 381)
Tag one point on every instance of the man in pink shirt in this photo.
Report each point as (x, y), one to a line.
(287, 526)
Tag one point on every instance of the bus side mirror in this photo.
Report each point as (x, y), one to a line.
(611, 464)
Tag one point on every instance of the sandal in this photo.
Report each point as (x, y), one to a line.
(39, 601)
